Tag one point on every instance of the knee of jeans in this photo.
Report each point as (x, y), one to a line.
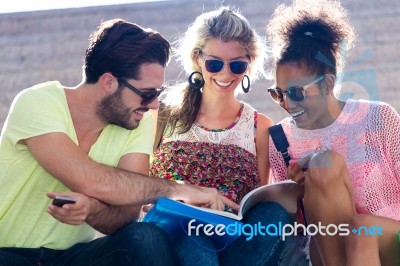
(146, 235)
(270, 212)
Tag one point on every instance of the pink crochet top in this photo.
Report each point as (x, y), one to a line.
(367, 135)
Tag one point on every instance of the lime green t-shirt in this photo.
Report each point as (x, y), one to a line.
(43, 109)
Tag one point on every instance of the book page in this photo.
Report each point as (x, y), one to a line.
(218, 212)
(284, 193)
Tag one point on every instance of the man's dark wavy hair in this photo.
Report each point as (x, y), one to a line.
(120, 48)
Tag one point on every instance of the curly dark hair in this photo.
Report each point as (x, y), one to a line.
(315, 34)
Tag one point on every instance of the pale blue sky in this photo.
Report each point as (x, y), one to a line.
(9, 6)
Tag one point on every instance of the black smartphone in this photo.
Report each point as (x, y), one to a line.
(61, 200)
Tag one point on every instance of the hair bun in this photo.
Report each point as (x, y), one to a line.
(317, 36)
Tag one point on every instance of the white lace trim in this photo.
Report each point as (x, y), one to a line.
(242, 134)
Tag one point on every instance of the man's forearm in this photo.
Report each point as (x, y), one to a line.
(116, 186)
(75, 169)
(107, 218)
(71, 166)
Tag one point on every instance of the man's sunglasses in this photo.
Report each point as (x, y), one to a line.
(216, 65)
(296, 94)
(147, 97)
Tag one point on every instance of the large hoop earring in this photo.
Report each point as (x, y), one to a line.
(247, 88)
(196, 83)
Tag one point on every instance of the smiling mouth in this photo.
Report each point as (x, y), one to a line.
(223, 84)
(140, 111)
(297, 114)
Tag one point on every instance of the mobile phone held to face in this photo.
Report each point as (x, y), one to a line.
(61, 200)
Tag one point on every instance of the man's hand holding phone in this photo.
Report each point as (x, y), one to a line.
(60, 200)
(69, 207)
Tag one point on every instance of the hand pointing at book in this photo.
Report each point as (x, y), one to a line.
(203, 197)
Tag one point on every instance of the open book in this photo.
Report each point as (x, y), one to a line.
(173, 215)
(284, 193)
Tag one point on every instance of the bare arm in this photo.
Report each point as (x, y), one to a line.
(69, 164)
(56, 153)
(103, 217)
(107, 218)
(262, 139)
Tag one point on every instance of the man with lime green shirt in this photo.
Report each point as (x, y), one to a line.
(91, 142)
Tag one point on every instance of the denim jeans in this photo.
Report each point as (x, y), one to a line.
(294, 251)
(259, 250)
(134, 244)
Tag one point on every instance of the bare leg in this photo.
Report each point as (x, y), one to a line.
(362, 249)
(314, 253)
(328, 199)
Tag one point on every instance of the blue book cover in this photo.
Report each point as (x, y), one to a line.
(174, 216)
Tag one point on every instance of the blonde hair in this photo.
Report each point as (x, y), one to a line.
(222, 24)
(226, 25)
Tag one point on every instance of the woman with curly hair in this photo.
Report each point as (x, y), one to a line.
(351, 148)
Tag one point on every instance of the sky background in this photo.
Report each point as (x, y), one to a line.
(11, 6)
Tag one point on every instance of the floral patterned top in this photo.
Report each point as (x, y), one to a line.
(224, 159)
